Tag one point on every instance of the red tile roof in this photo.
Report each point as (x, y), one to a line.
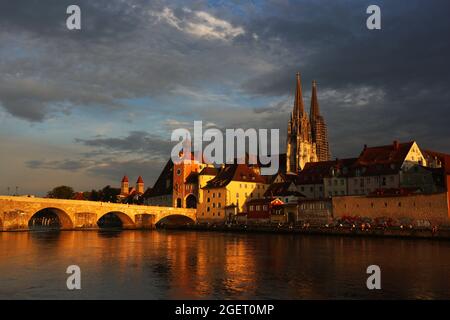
(381, 160)
(140, 180)
(281, 189)
(314, 172)
(393, 153)
(209, 171)
(234, 172)
(125, 179)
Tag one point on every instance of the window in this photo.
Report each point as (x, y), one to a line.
(237, 195)
(399, 204)
(385, 204)
(302, 188)
(251, 208)
(251, 194)
(335, 182)
(258, 208)
(214, 205)
(208, 209)
(214, 194)
(287, 200)
(208, 200)
(342, 182)
(178, 172)
(265, 207)
(218, 195)
(311, 189)
(371, 204)
(218, 214)
(219, 205)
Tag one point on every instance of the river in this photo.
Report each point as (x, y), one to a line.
(168, 264)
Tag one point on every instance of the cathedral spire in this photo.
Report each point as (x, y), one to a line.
(315, 111)
(299, 109)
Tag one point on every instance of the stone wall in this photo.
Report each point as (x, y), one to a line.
(421, 207)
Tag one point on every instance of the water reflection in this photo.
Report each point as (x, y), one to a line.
(197, 265)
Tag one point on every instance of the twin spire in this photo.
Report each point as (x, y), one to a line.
(299, 108)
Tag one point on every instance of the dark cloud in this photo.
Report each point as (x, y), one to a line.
(114, 170)
(66, 164)
(138, 142)
(109, 168)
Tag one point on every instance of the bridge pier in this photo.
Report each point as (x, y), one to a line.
(145, 221)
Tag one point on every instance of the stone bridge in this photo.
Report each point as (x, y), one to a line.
(19, 213)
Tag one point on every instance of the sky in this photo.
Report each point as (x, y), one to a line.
(84, 107)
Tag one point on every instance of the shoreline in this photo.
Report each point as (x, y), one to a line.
(405, 233)
(440, 234)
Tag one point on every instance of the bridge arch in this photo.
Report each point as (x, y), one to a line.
(116, 219)
(50, 218)
(174, 220)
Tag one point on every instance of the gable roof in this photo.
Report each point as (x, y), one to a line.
(381, 160)
(161, 186)
(281, 189)
(209, 171)
(314, 172)
(393, 153)
(234, 172)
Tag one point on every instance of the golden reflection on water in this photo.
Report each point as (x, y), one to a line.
(176, 264)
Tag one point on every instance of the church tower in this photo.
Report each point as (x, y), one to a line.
(124, 186)
(318, 127)
(300, 147)
(140, 185)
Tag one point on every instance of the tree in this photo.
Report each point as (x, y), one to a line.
(110, 194)
(94, 196)
(61, 192)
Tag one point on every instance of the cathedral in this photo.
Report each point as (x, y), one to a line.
(307, 139)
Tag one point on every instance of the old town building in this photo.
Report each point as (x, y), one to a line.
(231, 188)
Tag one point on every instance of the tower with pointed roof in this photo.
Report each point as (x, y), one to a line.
(140, 185)
(300, 147)
(318, 127)
(124, 186)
